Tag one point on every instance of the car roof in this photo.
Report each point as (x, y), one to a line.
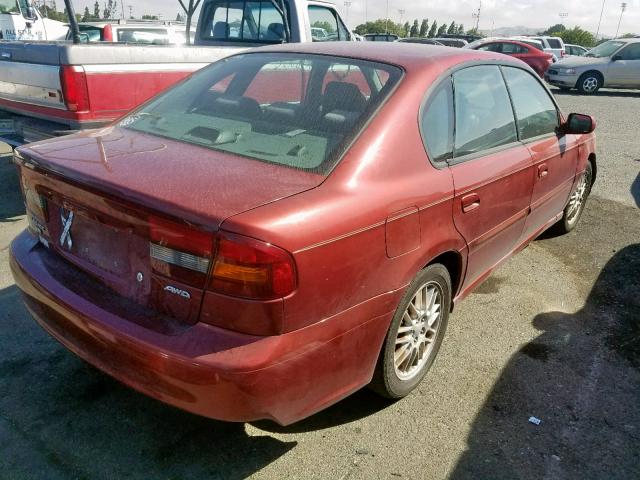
(409, 56)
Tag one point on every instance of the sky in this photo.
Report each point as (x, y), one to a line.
(494, 13)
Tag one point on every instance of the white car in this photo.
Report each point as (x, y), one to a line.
(553, 45)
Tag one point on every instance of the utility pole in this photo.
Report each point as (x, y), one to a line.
(386, 23)
(130, 11)
(347, 4)
(477, 16)
(623, 7)
(600, 21)
(402, 11)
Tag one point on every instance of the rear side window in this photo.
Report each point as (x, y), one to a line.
(325, 25)
(242, 21)
(513, 48)
(437, 123)
(535, 111)
(484, 117)
(554, 43)
(295, 110)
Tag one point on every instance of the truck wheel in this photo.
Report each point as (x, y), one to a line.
(589, 83)
(415, 334)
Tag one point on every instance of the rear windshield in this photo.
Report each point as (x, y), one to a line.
(152, 36)
(258, 21)
(299, 111)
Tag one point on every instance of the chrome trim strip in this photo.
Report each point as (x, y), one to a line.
(181, 259)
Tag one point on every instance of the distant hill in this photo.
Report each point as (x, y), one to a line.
(519, 30)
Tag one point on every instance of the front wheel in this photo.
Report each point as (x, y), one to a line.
(415, 334)
(589, 83)
(577, 201)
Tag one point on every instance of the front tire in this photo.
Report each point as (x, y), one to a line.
(415, 334)
(577, 201)
(589, 83)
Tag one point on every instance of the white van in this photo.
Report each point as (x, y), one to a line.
(19, 20)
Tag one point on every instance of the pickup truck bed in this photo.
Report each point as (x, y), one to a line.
(49, 89)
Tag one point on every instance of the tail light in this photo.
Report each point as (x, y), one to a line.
(242, 266)
(179, 251)
(248, 268)
(74, 88)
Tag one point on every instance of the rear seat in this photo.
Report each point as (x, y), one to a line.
(342, 105)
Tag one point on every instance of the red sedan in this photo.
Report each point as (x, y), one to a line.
(247, 253)
(537, 59)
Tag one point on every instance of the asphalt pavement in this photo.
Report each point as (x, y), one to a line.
(554, 334)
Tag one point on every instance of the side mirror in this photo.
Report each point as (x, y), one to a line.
(578, 124)
(30, 13)
(616, 58)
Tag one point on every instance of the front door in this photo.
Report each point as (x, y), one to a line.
(625, 71)
(555, 157)
(491, 169)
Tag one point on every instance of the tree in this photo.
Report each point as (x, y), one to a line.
(442, 30)
(96, 10)
(460, 29)
(179, 18)
(109, 10)
(453, 28)
(576, 36)
(414, 29)
(150, 17)
(380, 26)
(193, 6)
(424, 28)
(87, 15)
(407, 28)
(434, 29)
(554, 29)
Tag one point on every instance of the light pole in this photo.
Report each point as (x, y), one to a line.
(386, 23)
(600, 21)
(476, 15)
(347, 4)
(402, 11)
(563, 16)
(623, 7)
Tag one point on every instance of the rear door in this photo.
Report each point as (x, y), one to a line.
(554, 156)
(491, 169)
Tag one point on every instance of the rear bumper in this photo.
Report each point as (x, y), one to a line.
(18, 130)
(207, 370)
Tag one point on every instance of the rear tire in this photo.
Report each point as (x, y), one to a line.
(589, 83)
(415, 334)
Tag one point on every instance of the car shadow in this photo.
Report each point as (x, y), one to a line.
(11, 204)
(569, 378)
(60, 415)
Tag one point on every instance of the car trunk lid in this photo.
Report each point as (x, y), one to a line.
(140, 213)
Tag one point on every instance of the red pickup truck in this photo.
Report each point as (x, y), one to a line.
(50, 89)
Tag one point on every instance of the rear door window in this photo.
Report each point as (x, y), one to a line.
(536, 113)
(295, 110)
(484, 116)
(554, 43)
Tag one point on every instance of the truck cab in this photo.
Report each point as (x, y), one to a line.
(269, 22)
(19, 20)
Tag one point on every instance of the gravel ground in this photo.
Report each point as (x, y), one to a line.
(553, 334)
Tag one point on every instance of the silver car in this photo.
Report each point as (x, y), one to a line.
(613, 64)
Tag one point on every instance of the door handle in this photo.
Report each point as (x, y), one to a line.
(470, 202)
(543, 171)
